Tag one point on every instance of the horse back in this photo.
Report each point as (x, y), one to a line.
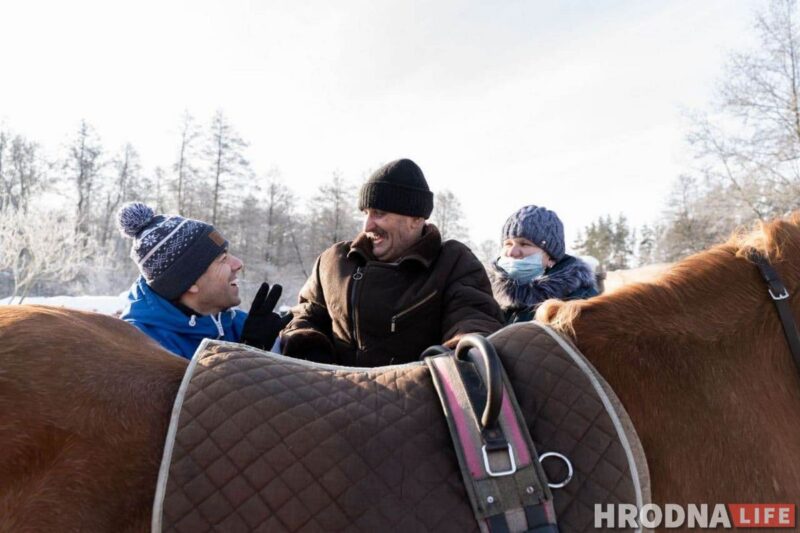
(84, 406)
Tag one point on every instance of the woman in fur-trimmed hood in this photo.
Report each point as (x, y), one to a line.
(533, 266)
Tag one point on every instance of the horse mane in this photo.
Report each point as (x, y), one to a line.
(670, 304)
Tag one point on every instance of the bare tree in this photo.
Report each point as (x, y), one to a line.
(647, 247)
(4, 149)
(333, 212)
(278, 205)
(37, 246)
(22, 172)
(184, 168)
(127, 174)
(448, 216)
(225, 153)
(159, 189)
(487, 251)
(83, 167)
(694, 219)
(27, 170)
(749, 145)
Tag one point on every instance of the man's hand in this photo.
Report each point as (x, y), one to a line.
(263, 324)
(309, 344)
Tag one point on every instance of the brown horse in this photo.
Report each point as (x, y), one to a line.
(85, 401)
(698, 358)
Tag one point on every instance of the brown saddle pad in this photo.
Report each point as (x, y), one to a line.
(570, 409)
(262, 442)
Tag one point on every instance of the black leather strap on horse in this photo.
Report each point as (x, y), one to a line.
(780, 297)
(506, 485)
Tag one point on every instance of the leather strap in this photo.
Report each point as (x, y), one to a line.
(501, 471)
(780, 297)
(497, 524)
(537, 518)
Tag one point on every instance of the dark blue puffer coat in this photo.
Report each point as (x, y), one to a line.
(569, 279)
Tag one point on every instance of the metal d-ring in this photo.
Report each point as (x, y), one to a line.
(511, 469)
(563, 483)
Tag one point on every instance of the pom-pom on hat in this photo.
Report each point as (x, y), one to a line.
(540, 226)
(171, 251)
(398, 187)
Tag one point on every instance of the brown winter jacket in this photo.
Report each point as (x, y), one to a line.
(370, 313)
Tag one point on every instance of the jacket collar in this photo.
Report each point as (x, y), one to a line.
(147, 307)
(185, 309)
(424, 251)
(559, 281)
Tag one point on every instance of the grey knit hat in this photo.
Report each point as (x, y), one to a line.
(398, 187)
(171, 251)
(540, 226)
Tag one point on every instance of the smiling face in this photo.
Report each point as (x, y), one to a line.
(520, 247)
(218, 288)
(391, 234)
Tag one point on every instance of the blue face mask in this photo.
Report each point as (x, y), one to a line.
(522, 270)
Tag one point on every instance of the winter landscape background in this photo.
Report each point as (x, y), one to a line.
(65, 166)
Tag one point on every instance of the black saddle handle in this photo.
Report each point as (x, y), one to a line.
(436, 349)
(494, 375)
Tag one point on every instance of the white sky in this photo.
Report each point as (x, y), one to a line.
(573, 105)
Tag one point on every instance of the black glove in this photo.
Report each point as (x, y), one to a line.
(263, 324)
(309, 344)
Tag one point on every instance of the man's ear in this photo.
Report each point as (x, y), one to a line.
(194, 289)
(417, 223)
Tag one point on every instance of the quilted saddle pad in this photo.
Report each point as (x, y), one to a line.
(263, 442)
(570, 409)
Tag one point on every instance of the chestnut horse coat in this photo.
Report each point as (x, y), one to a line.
(700, 361)
(698, 358)
(85, 401)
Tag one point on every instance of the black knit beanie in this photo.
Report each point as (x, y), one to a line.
(398, 187)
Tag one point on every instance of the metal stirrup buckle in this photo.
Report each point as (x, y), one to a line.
(501, 473)
(567, 462)
(782, 296)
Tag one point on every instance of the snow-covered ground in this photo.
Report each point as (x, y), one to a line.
(619, 278)
(113, 305)
(109, 305)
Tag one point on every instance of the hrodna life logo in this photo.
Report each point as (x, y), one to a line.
(695, 516)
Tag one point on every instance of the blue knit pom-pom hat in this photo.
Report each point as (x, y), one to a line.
(171, 251)
(540, 226)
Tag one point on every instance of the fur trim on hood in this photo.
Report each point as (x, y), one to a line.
(568, 279)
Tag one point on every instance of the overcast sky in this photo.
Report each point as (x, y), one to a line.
(572, 105)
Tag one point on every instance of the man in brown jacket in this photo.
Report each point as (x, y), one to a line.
(396, 289)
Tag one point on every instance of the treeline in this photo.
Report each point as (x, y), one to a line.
(746, 149)
(57, 216)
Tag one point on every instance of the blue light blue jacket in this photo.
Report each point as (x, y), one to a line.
(178, 333)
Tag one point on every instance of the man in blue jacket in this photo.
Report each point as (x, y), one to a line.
(189, 288)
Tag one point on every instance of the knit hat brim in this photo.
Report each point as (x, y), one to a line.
(189, 266)
(394, 198)
(540, 226)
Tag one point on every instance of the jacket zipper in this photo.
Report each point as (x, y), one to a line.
(357, 276)
(400, 315)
